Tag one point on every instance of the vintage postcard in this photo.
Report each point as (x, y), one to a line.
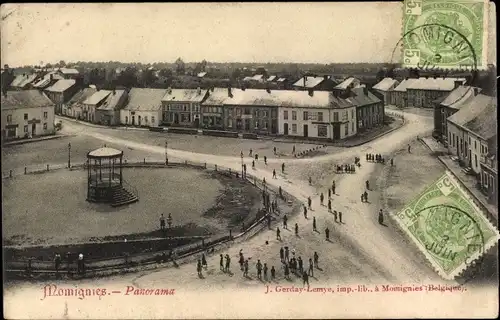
(249, 160)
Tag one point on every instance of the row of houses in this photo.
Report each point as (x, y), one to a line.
(465, 121)
(416, 92)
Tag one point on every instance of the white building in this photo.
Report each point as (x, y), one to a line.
(26, 113)
(144, 107)
(385, 88)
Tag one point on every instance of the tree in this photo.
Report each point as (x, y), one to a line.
(180, 66)
(167, 73)
(148, 77)
(62, 64)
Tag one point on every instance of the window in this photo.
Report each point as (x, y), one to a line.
(449, 137)
(25, 116)
(168, 108)
(322, 131)
(238, 112)
(185, 107)
(294, 128)
(285, 115)
(25, 128)
(346, 129)
(219, 109)
(45, 126)
(229, 123)
(352, 114)
(256, 113)
(294, 115)
(126, 119)
(152, 119)
(320, 117)
(352, 126)
(146, 119)
(265, 125)
(9, 118)
(453, 141)
(45, 114)
(273, 113)
(256, 124)
(475, 145)
(306, 116)
(469, 140)
(335, 117)
(475, 159)
(485, 150)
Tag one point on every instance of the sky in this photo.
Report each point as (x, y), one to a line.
(226, 32)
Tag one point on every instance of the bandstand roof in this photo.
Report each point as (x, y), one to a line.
(105, 153)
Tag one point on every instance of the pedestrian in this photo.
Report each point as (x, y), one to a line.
(278, 235)
(80, 264)
(241, 154)
(316, 260)
(228, 262)
(265, 271)
(311, 268)
(305, 212)
(265, 160)
(269, 220)
(282, 254)
(256, 157)
(392, 162)
(367, 183)
(333, 185)
(250, 153)
(309, 202)
(198, 268)
(259, 269)
(340, 216)
(274, 149)
(329, 193)
(283, 168)
(57, 262)
(285, 221)
(314, 224)
(273, 273)
(293, 150)
(264, 181)
(245, 270)
(329, 205)
(335, 215)
(310, 181)
(169, 220)
(69, 261)
(162, 222)
(253, 164)
(409, 148)
(274, 174)
(333, 189)
(296, 229)
(287, 271)
(362, 197)
(286, 254)
(366, 156)
(245, 168)
(321, 198)
(380, 217)
(327, 234)
(221, 263)
(204, 261)
(280, 191)
(305, 278)
(366, 196)
(241, 260)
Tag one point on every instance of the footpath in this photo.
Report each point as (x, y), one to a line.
(23, 141)
(467, 180)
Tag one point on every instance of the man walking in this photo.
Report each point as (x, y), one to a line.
(221, 263)
(409, 148)
(282, 254)
(309, 203)
(169, 221)
(265, 160)
(204, 261)
(285, 222)
(245, 269)
(392, 162)
(314, 224)
(283, 168)
(198, 268)
(296, 229)
(273, 273)
(329, 205)
(305, 278)
(311, 268)
(335, 215)
(81, 265)
(162, 222)
(316, 260)
(310, 181)
(274, 174)
(301, 264)
(321, 198)
(329, 193)
(340, 217)
(293, 150)
(57, 262)
(274, 149)
(333, 188)
(278, 235)
(265, 271)
(367, 184)
(286, 254)
(381, 217)
(228, 263)
(259, 270)
(366, 196)
(253, 164)
(305, 212)
(327, 234)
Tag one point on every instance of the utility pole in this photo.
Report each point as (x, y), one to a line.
(166, 152)
(69, 155)
(242, 167)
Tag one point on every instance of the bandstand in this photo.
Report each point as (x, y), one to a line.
(105, 183)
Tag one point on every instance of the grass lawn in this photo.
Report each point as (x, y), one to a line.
(51, 207)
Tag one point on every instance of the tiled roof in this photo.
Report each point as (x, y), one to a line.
(112, 100)
(145, 99)
(45, 81)
(82, 95)
(457, 97)
(276, 98)
(97, 97)
(69, 71)
(22, 80)
(25, 99)
(440, 84)
(310, 82)
(471, 109)
(185, 95)
(360, 98)
(385, 84)
(347, 82)
(61, 85)
(404, 84)
(485, 123)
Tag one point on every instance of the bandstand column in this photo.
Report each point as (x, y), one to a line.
(100, 170)
(121, 157)
(110, 174)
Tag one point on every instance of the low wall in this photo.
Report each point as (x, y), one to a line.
(218, 133)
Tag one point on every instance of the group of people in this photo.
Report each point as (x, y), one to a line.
(346, 168)
(375, 158)
(80, 263)
(162, 221)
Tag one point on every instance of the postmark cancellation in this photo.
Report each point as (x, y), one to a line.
(446, 34)
(447, 226)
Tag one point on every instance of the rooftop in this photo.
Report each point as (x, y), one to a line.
(68, 71)
(113, 100)
(185, 95)
(271, 78)
(353, 82)
(61, 85)
(23, 79)
(439, 84)
(385, 84)
(82, 95)
(104, 153)
(485, 123)
(25, 99)
(97, 97)
(362, 97)
(404, 84)
(472, 109)
(201, 74)
(457, 97)
(145, 99)
(308, 82)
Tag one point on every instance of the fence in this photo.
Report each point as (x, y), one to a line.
(31, 265)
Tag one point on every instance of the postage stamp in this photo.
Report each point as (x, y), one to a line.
(447, 34)
(447, 226)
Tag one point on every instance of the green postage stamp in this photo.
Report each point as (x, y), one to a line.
(445, 34)
(447, 226)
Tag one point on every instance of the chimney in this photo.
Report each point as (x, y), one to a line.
(326, 77)
(229, 92)
(199, 90)
(311, 92)
(458, 83)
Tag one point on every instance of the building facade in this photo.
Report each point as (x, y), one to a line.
(74, 107)
(422, 92)
(182, 107)
(61, 92)
(385, 88)
(108, 113)
(489, 171)
(144, 107)
(27, 113)
(91, 104)
(212, 109)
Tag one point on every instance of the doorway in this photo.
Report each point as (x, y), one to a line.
(133, 120)
(336, 131)
(33, 129)
(306, 131)
(285, 129)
